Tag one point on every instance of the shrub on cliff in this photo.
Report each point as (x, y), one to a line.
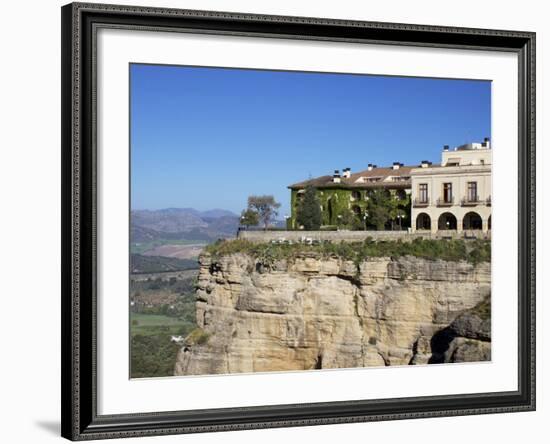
(449, 250)
(480, 251)
(198, 336)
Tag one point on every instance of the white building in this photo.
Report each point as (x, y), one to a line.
(455, 195)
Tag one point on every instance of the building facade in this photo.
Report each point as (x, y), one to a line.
(340, 194)
(456, 194)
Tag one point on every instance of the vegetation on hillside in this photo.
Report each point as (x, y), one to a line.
(160, 308)
(152, 356)
(450, 250)
(157, 264)
(173, 297)
(152, 352)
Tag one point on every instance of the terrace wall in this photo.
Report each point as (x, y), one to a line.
(355, 236)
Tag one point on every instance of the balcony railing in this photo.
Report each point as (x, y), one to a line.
(470, 201)
(445, 202)
(421, 202)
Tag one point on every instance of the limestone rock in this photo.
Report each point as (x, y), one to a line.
(474, 323)
(468, 350)
(315, 313)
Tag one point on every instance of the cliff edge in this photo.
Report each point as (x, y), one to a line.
(316, 312)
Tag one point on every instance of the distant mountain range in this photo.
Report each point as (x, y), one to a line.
(182, 224)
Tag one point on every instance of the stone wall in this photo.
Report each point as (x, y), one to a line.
(353, 236)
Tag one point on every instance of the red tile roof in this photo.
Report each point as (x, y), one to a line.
(382, 172)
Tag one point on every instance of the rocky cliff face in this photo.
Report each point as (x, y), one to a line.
(312, 312)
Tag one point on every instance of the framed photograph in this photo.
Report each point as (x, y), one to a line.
(282, 221)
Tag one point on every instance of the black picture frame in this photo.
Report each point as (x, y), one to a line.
(80, 420)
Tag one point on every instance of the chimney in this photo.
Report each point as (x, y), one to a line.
(347, 173)
(445, 147)
(370, 166)
(425, 164)
(486, 143)
(397, 165)
(336, 176)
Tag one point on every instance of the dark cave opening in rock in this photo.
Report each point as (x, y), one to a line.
(440, 344)
(319, 362)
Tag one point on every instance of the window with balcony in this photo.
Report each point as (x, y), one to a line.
(422, 199)
(447, 192)
(423, 193)
(471, 194)
(446, 199)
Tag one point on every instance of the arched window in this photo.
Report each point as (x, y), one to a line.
(472, 221)
(423, 222)
(447, 221)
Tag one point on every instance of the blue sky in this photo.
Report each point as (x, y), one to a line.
(210, 137)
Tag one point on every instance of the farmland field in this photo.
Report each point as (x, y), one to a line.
(160, 306)
(151, 324)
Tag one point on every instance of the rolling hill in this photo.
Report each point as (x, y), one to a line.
(182, 224)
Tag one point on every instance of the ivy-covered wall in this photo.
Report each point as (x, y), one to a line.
(336, 202)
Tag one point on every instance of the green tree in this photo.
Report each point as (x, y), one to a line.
(379, 208)
(266, 208)
(400, 208)
(249, 218)
(358, 222)
(397, 215)
(309, 210)
(346, 219)
(405, 205)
